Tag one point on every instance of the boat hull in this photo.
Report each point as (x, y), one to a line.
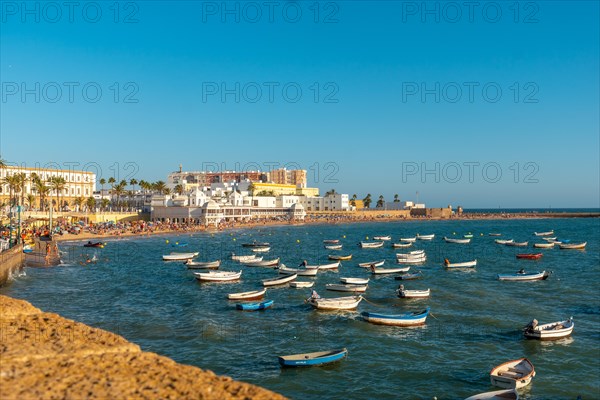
(536, 276)
(513, 374)
(255, 306)
(253, 295)
(331, 304)
(410, 319)
(312, 359)
(550, 331)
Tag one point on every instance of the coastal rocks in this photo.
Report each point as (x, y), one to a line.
(46, 356)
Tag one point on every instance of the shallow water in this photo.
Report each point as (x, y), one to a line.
(475, 322)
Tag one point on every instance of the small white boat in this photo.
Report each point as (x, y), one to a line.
(218, 276)
(549, 233)
(324, 267)
(202, 265)
(262, 263)
(382, 271)
(549, 239)
(242, 259)
(260, 249)
(382, 238)
(551, 331)
(354, 281)
(179, 256)
(331, 241)
(425, 237)
(513, 374)
(543, 245)
(279, 280)
(371, 245)
(406, 319)
(372, 263)
(252, 295)
(574, 246)
(517, 244)
(502, 241)
(524, 276)
(346, 288)
(412, 260)
(458, 241)
(302, 284)
(409, 240)
(334, 247)
(510, 394)
(412, 294)
(412, 254)
(300, 271)
(401, 245)
(467, 264)
(336, 303)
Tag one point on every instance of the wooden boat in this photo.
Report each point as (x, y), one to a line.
(468, 235)
(324, 267)
(549, 239)
(334, 247)
(409, 277)
(425, 237)
(252, 295)
(262, 263)
(202, 265)
(340, 258)
(459, 241)
(251, 257)
(467, 264)
(549, 233)
(280, 280)
(409, 240)
(517, 244)
(510, 394)
(179, 256)
(354, 281)
(97, 244)
(331, 241)
(574, 246)
(412, 294)
(551, 331)
(335, 303)
(411, 254)
(346, 288)
(256, 244)
(371, 245)
(494, 234)
(372, 263)
(382, 271)
(312, 359)
(401, 245)
(543, 245)
(501, 241)
(412, 260)
(260, 249)
(513, 374)
(301, 284)
(407, 319)
(216, 276)
(386, 238)
(523, 276)
(255, 306)
(299, 271)
(529, 256)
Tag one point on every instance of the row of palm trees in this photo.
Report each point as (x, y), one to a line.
(368, 200)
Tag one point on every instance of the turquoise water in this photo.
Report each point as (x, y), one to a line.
(475, 324)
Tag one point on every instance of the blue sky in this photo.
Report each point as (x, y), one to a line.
(494, 106)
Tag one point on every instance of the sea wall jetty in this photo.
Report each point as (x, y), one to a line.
(46, 356)
(11, 262)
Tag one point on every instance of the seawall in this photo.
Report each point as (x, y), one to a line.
(11, 261)
(43, 356)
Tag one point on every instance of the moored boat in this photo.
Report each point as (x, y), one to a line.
(179, 256)
(334, 247)
(256, 244)
(381, 271)
(510, 394)
(252, 295)
(413, 253)
(513, 374)
(299, 271)
(529, 256)
(574, 246)
(301, 284)
(371, 245)
(401, 245)
(549, 233)
(331, 241)
(251, 257)
(502, 241)
(324, 267)
(262, 263)
(346, 288)
(202, 265)
(372, 263)
(260, 249)
(412, 260)
(340, 258)
(412, 294)
(409, 240)
(263, 305)
(406, 319)
(280, 280)
(524, 276)
(494, 234)
(549, 239)
(425, 237)
(355, 281)
(97, 244)
(218, 276)
(516, 244)
(382, 238)
(334, 303)
(467, 264)
(543, 245)
(551, 331)
(312, 359)
(458, 241)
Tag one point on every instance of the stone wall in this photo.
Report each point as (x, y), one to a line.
(11, 261)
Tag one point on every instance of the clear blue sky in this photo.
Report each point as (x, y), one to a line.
(372, 128)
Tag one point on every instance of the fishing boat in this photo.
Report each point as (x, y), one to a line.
(502, 241)
(251, 257)
(334, 247)
(406, 319)
(354, 281)
(467, 264)
(280, 280)
(513, 374)
(256, 244)
(331, 241)
(255, 306)
(468, 235)
(409, 240)
(179, 256)
(529, 256)
(412, 294)
(260, 249)
(551, 331)
(549, 233)
(425, 237)
(494, 234)
(524, 276)
(215, 276)
(459, 241)
(97, 244)
(202, 265)
(301, 284)
(371, 245)
(401, 245)
(574, 246)
(386, 238)
(543, 245)
(252, 295)
(517, 244)
(549, 239)
(335, 303)
(412, 254)
(346, 288)
(340, 258)
(299, 271)
(312, 359)
(412, 260)
(510, 394)
(262, 263)
(323, 267)
(409, 277)
(372, 263)
(382, 271)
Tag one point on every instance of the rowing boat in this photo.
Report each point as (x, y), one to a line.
(517, 244)
(549, 239)
(529, 256)
(494, 234)
(425, 237)
(401, 245)
(301, 284)
(260, 249)
(549, 233)
(312, 359)
(242, 259)
(334, 247)
(372, 263)
(412, 294)
(340, 258)
(354, 281)
(406, 319)
(543, 245)
(551, 331)
(255, 306)
(510, 394)
(523, 276)
(179, 256)
(256, 244)
(346, 288)
(280, 280)
(371, 245)
(202, 265)
(459, 241)
(252, 295)
(381, 271)
(502, 241)
(323, 267)
(467, 264)
(265, 263)
(412, 260)
(411, 254)
(331, 241)
(218, 276)
(574, 246)
(513, 374)
(382, 237)
(300, 271)
(409, 240)
(335, 303)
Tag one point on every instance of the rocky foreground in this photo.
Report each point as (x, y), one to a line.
(46, 356)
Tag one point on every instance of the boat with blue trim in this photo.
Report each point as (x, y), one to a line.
(407, 319)
(312, 359)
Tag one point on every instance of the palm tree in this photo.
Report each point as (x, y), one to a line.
(13, 183)
(367, 201)
(78, 202)
(119, 189)
(353, 200)
(166, 191)
(331, 192)
(90, 203)
(396, 198)
(102, 183)
(133, 182)
(43, 191)
(31, 200)
(179, 189)
(104, 203)
(57, 183)
(380, 201)
(160, 187)
(2, 163)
